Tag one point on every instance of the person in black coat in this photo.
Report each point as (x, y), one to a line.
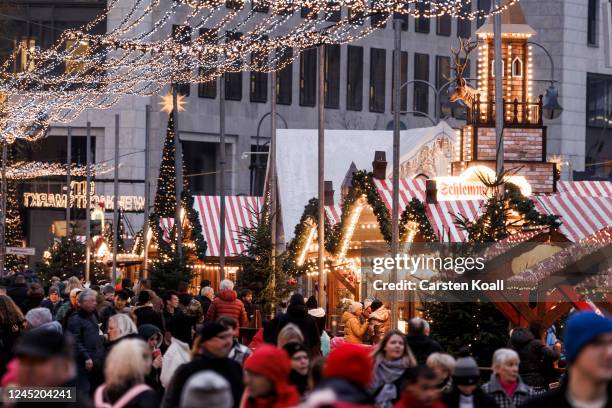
(18, 291)
(144, 312)
(297, 313)
(536, 366)
(89, 345)
(212, 345)
(419, 341)
(465, 391)
(207, 294)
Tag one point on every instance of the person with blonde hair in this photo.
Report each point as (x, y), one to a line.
(444, 366)
(73, 283)
(354, 330)
(392, 357)
(125, 370)
(119, 327)
(289, 334)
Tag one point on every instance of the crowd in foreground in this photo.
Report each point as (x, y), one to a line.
(130, 346)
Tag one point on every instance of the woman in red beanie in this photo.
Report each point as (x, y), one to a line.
(266, 379)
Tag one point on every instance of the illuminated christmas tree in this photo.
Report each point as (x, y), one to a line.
(14, 226)
(65, 258)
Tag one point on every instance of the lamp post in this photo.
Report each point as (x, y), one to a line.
(258, 165)
(551, 108)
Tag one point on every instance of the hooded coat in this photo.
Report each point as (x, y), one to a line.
(536, 366)
(297, 313)
(353, 329)
(228, 304)
(379, 324)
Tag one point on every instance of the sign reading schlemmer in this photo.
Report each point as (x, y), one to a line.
(78, 199)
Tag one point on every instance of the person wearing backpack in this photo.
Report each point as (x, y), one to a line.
(125, 371)
(391, 360)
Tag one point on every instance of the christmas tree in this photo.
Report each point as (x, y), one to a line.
(65, 258)
(109, 237)
(14, 226)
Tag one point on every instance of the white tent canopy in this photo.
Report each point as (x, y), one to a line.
(297, 160)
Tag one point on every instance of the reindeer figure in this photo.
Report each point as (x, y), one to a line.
(462, 91)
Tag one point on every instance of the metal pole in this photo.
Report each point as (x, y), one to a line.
(68, 170)
(147, 192)
(116, 203)
(499, 108)
(321, 181)
(3, 207)
(178, 168)
(397, 27)
(88, 206)
(273, 200)
(222, 176)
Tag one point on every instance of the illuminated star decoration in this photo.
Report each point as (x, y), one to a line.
(167, 104)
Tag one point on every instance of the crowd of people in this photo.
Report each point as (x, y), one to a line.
(135, 346)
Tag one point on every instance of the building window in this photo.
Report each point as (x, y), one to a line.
(234, 4)
(443, 25)
(207, 89)
(377, 79)
(404, 18)
(71, 67)
(379, 18)
(485, 6)
(284, 77)
(258, 167)
(308, 77)
(599, 100)
(442, 77)
(517, 67)
(592, 22)
(464, 25)
(354, 78)
(259, 80)
(332, 76)
(182, 35)
(233, 80)
(403, 80)
(200, 160)
(334, 15)
(421, 90)
(421, 24)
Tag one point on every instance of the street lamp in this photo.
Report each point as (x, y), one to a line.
(551, 109)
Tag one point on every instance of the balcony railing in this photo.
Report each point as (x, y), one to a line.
(515, 113)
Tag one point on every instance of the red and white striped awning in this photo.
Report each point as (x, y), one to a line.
(586, 188)
(442, 217)
(409, 189)
(334, 212)
(240, 212)
(581, 216)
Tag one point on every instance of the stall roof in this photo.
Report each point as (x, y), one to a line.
(297, 164)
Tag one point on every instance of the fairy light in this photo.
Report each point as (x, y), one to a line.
(354, 214)
(30, 170)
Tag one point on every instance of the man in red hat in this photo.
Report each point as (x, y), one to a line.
(266, 379)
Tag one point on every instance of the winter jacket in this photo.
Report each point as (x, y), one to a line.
(19, 293)
(353, 329)
(345, 391)
(227, 304)
(557, 398)
(88, 343)
(226, 368)
(239, 352)
(145, 314)
(177, 354)
(408, 401)
(53, 307)
(144, 399)
(379, 324)
(8, 338)
(205, 302)
(422, 346)
(522, 393)
(319, 316)
(536, 360)
(481, 400)
(31, 302)
(298, 315)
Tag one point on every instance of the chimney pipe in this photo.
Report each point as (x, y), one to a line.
(379, 165)
(328, 193)
(431, 192)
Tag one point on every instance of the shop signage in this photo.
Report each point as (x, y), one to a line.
(23, 251)
(78, 199)
(469, 186)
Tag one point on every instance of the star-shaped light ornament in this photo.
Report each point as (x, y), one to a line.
(167, 103)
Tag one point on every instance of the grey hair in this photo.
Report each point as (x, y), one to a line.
(209, 386)
(289, 333)
(38, 316)
(503, 355)
(226, 284)
(85, 293)
(125, 325)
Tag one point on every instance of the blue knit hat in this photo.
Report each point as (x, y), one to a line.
(581, 329)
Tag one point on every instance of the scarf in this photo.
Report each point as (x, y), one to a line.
(385, 375)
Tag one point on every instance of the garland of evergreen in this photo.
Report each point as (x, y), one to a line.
(416, 212)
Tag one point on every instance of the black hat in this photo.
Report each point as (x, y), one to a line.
(210, 330)
(44, 344)
(294, 347)
(466, 371)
